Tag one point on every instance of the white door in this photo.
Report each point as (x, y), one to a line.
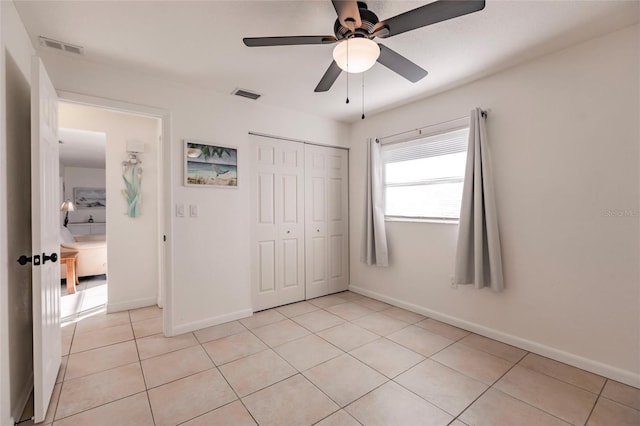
(338, 219)
(327, 220)
(45, 237)
(277, 208)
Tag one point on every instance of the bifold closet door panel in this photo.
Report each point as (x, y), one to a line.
(277, 265)
(338, 219)
(291, 226)
(316, 221)
(326, 220)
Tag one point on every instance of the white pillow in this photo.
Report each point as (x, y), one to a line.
(65, 236)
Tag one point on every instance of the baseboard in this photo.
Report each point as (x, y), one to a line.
(23, 398)
(131, 304)
(209, 322)
(624, 376)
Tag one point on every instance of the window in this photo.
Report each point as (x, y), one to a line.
(423, 178)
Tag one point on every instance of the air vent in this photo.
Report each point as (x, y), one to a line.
(60, 45)
(246, 94)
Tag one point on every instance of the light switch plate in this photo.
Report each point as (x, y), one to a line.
(193, 210)
(179, 210)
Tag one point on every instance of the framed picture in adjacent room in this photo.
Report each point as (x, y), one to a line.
(207, 165)
(90, 198)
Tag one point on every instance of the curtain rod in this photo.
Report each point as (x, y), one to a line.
(483, 112)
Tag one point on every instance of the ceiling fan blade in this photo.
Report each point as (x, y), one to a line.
(287, 41)
(348, 13)
(431, 13)
(401, 65)
(329, 77)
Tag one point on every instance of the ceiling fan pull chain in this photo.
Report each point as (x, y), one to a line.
(362, 96)
(347, 88)
(347, 71)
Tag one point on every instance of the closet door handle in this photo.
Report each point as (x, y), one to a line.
(317, 230)
(288, 232)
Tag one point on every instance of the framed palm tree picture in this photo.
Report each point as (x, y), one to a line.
(207, 165)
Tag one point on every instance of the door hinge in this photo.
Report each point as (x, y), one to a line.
(164, 238)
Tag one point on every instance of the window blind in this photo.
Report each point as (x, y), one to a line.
(446, 143)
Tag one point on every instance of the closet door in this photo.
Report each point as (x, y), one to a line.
(277, 266)
(326, 220)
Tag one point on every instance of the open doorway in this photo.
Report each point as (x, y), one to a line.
(108, 159)
(83, 246)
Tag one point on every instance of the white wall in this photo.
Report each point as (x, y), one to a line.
(564, 136)
(84, 177)
(15, 307)
(211, 281)
(132, 255)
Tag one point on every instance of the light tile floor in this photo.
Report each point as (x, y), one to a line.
(337, 360)
(90, 297)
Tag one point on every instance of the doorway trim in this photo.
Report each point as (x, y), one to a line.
(165, 193)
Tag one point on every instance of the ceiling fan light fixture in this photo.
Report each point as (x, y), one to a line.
(357, 56)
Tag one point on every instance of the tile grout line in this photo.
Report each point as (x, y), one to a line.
(285, 360)
(101, 347)
(561, 380)
(344, 352)
(518, 399)
(486, 390)
(73, 379)
(341, 409)
(624, 404)
(391, 341)
(55, 411)
(227, 381)
(301, 373)
(98, 406)
(487, 352)
(596, 401)
(144, 379)
(106, 403)
(336, 346)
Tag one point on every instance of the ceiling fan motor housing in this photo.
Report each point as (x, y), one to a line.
(369, 22)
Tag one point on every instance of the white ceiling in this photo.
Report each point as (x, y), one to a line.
(200, 43)
(82, 148)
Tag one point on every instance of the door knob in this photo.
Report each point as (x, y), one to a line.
(23, 260)
(317, 230)
(288, 232)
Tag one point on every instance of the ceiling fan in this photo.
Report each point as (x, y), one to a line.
(357, 26)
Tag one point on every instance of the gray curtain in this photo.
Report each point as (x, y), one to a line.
(478, 257)
(374, 237)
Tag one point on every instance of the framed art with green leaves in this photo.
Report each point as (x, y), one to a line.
(207, 165)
